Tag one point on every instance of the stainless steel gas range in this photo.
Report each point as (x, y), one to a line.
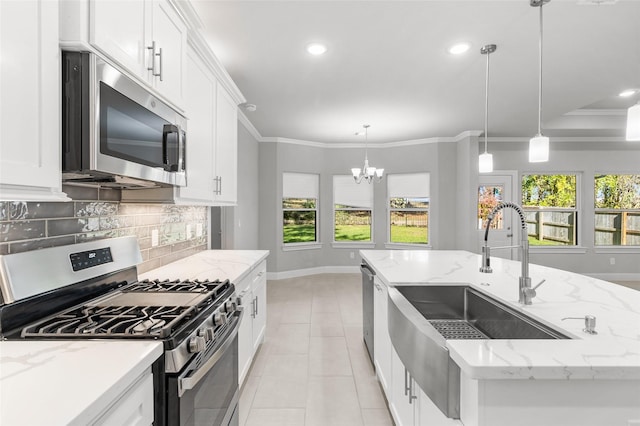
(91, 291)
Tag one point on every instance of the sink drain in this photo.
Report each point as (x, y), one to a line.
(457, 329)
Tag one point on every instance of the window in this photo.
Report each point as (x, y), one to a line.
(352, 210)
(408, 196)
(617, 210)
(549, 204)
(299, 208)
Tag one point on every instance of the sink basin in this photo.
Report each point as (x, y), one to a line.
(423, 318)
(461, 312)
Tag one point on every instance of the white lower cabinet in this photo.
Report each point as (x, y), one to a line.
(252, 293)
(134, 407)
(402, 397)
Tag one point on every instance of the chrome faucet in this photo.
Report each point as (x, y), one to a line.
(525, 292)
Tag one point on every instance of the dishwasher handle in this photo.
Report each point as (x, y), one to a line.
(367, 271)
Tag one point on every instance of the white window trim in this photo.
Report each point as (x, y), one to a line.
(393, 245)
(308, 245)
(578, 248)
(350, 244)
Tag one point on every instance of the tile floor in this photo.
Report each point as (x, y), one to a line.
(313, 369)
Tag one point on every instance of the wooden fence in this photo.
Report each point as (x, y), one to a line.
(617, 228)
(554, 226)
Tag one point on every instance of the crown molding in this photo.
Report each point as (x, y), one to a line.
(573, 139)
(333, 145)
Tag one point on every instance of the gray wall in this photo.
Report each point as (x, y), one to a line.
(586, 159)
(439, 159)
(240, 223)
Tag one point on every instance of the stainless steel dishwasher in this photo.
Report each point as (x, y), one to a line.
(367, 307)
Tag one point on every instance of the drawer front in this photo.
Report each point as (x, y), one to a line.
(134, 407)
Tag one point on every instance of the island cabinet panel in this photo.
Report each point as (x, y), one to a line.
(30, 141)
(382, 342)
(549, 402)
(134, 407)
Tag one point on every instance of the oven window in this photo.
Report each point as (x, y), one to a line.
(213, 400)
(130, 131)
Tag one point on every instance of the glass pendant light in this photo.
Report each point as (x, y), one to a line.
(485, 160)
(539, 144)
(633, 123)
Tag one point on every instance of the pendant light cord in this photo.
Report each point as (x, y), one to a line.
(486, 105)
(366, 144)
(540, 77)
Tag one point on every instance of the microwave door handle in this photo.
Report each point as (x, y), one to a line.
(182, 150)
(188, 383)
(167, 129)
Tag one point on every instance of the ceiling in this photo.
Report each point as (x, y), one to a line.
(388, 65)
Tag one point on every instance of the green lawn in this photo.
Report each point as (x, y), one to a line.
(533, 241)
(399, 234)
(409, 234)
(353, 233)
(299, 233)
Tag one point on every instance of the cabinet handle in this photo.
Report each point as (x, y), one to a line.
(406, 382)
(220, 180)
(412, 397)
(256, 305)
(254, 308)
(160, 54)
(152, 48)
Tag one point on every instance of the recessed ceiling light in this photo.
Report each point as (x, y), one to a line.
(316, 48)
(627, 93)
(459, 48)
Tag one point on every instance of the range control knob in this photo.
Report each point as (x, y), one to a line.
(196, 344)
(220, 318)
(207, 333)
(230, 306)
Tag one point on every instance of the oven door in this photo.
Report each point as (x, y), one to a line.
(205, 392)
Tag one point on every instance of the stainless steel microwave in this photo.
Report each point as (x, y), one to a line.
(114, 131)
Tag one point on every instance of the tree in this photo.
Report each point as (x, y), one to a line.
(549, 191)
(617, 191)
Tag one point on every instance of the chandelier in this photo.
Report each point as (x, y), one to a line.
(368, 173)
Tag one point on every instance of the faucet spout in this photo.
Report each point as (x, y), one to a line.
(525, 293)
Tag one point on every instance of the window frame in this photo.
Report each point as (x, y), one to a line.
(389, 210)
(351, 244)
(611, 248)
(578, 209)
(303, 245)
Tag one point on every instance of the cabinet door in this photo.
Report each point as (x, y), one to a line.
(402, 408)
(245, 334)
(201, 87)
(260, 310)
(30, 144)
(119, 29)
(226, 155)
(382, 346)
(170, 34)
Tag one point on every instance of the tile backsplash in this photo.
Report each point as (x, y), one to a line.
(98, 214)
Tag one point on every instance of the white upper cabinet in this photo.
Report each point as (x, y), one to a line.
(122, 35)
(30, 138)
(200, 103)
(226, 153)
(147, 38)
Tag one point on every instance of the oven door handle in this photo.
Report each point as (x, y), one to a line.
(188, 383)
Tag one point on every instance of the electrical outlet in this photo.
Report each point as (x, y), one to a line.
(198, 230)
(612, 261)
(352, 255)
(154, 238)
(189, 231)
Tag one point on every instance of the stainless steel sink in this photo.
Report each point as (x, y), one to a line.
(423, 318)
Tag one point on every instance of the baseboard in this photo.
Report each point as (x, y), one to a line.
(313, 271)
(615, 276)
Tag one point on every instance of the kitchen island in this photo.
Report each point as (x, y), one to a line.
(585, 380)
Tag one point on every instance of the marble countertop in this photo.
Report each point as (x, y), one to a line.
(57, 382)
(233, 265)
(614, 353)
